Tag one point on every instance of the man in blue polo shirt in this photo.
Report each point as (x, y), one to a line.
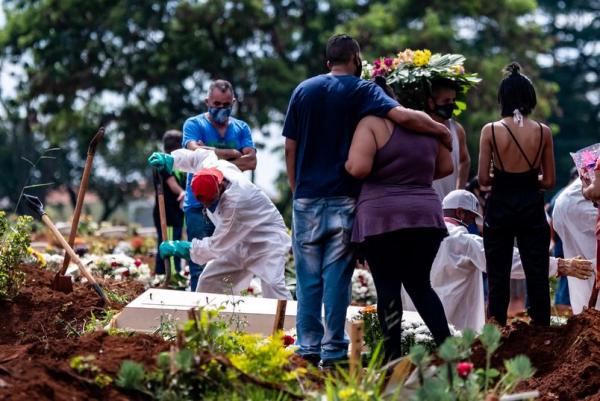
(320, 122)
(230, 139)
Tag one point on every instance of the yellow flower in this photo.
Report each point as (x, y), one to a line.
(421, 57)
(346, 393)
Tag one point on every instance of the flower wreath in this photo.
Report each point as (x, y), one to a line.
(411, 74)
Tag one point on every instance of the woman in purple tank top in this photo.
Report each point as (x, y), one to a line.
(399, 223)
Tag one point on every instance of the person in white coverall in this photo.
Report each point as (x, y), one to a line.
(456, 274)
(574, 219)
(250, 237)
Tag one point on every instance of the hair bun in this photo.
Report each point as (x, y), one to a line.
(513, 68)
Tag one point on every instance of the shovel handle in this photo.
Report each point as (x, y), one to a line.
(87, 171)
(95, 141)
(69, 251)
(162, 213)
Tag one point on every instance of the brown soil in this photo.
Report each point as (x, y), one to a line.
(39, 336)
(566, 358)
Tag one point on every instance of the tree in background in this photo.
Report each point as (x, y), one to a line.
(573, 63)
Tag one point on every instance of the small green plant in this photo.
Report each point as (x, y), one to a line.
(131, 376)
(367, 386)
(103, 380)
(371, 327)
(98, 323)
(84, 366)
(457, 380)
(167, 329)
(206, 331)
(14, 244)
(265, 358)
(116, 298)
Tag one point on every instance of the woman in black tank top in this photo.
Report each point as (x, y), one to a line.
(523, 166)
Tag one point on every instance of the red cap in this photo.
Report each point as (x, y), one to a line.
(205, 184)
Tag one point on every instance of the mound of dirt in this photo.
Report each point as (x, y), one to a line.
(566, 358)
(40, 333)
(39, 312)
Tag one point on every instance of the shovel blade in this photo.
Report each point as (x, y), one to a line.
(62, 283)
(100, 293)
(35, 204)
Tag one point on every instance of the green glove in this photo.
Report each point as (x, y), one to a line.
(161, 161)
(180, 249)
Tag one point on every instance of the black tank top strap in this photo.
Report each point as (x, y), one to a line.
(496, 147)
(539, 152)
(531, 166)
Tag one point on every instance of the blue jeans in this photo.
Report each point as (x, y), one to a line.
(160, 265)
(324, 257)
(198, 226)
(561, 297)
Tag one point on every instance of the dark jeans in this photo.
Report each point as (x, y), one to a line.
(533, 243)
(404, 258)
(160, 265)
(198, 226)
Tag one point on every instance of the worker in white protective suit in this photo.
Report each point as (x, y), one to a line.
(250, 237)
(456, 274)
(574, 219)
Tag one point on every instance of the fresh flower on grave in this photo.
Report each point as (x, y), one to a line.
(363, 287)
(36, 257)
(287, 340)
(463, 369)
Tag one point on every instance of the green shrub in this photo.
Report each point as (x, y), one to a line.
(14, 244)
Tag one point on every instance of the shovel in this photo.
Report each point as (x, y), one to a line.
(162, 213)
(36, 206)
(61, 282)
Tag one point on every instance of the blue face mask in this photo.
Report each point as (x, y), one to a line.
(220, 114)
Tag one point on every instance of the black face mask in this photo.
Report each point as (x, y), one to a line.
(444, 110)
(358, 64)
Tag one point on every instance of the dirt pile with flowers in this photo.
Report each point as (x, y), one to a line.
(42, 330)
(566, 358)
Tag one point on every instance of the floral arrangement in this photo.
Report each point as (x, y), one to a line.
(114, 266)
(410, 73)
(363, 287)
(413, 333)
(585, 159)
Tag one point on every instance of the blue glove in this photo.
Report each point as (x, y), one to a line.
(161, 161)
(180, 249)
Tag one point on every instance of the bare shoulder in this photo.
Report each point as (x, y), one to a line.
(486, 131)
(371, 122)
(546, 130)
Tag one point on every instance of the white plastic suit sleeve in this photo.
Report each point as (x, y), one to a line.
(191, 161)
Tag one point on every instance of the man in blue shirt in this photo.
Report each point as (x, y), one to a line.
(230, 139)
(320, 122)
